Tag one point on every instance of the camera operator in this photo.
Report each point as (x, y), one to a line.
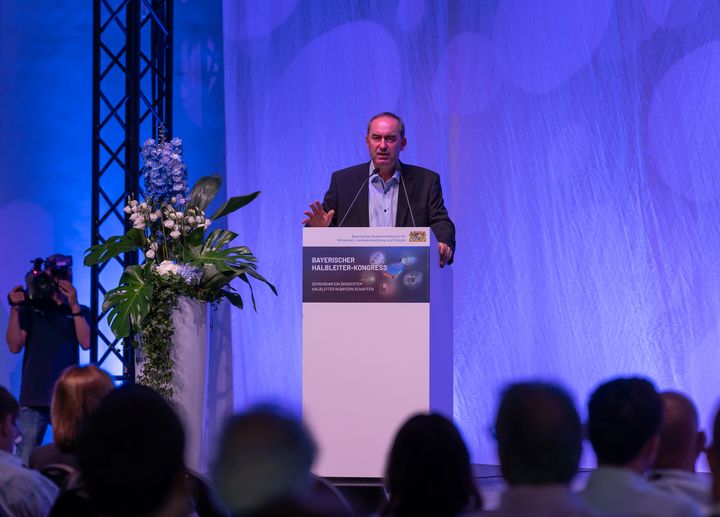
(49, 323)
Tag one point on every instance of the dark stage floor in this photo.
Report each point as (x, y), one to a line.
(366, 494)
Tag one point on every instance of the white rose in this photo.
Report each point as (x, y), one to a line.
(127, 209)
(150, 254)
(191, 220)
(167, 267)
(175, 234)
(143, 205)
(208, 222)
(168, 223)
(153, 217)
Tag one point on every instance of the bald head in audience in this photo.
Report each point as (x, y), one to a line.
(681, 441)
(713, 457)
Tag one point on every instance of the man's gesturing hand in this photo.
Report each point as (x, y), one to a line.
(446, 253)
(16, 296)
(318, 216)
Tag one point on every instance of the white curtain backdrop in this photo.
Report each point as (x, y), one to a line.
(578, 146)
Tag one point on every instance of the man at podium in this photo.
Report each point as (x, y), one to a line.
(386, 192)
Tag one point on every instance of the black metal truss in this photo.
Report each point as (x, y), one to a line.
(132, 96)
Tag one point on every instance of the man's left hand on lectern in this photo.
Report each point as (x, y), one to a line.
(446, 253)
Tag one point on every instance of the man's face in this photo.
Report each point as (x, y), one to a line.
(384, 142)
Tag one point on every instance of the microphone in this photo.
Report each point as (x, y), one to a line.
(367, 180)
(412, 217)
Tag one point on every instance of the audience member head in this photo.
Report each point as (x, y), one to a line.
(76, 394)
(428, 470)
(264, 456)
(131, 453)
(713, 457)
(624, 417)
(681, 441)
(539, 435)
(9, 410)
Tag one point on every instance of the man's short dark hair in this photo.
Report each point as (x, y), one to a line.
(391, 115)
(539, 434)
(8, 404)
(623, 414)
(131, 452)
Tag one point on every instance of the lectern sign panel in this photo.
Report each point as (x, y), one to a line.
(366, 274)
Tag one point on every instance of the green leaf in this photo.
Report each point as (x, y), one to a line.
(212, 253)
(215, 279)
(114, 246)
(128, 303)
(258, 276)
(234, 298)
(217, 239)
(245, 279)
(233, 204)
(204, 191)
(223, 260)
(195, 237)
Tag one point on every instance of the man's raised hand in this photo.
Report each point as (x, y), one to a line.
(16, 296)
(317, 216)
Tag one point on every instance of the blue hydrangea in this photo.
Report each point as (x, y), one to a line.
(191, 274)
(164, 172)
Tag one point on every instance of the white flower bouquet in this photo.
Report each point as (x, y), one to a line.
(182, 256)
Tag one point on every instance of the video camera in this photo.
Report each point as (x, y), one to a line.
(42, 282)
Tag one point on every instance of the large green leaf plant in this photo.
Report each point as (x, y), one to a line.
(182, 258)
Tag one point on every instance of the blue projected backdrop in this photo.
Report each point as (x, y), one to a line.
(578, 145)
(577, 142)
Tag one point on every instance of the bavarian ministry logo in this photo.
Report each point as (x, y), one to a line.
(418, 236)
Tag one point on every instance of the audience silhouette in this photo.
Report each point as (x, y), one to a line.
(428, 471)
(125, 449)
(624, 417)
(22, 491)
(539, 437)
(77, 392)
(681, 443)
(263, 467)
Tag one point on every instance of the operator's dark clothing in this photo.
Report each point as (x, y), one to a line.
(50, 347)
